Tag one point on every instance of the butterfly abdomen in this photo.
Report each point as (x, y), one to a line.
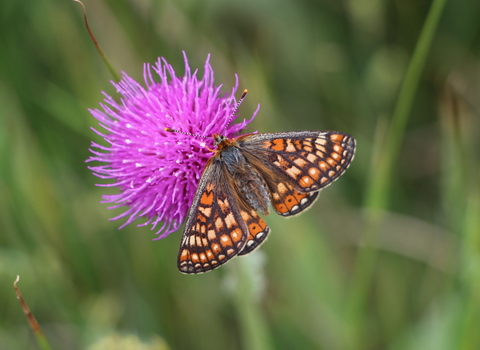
(250, 186)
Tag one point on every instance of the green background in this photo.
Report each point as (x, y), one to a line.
(389, 256)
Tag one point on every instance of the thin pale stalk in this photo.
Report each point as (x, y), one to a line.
(113, 72)
(32, 321)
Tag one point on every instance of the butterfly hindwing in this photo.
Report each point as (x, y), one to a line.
(288, 202)
(215, 231)
(308, 160)
(257, 230)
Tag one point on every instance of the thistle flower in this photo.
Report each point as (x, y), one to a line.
(157, 171)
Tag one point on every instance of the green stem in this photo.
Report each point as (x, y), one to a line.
(254, 328)
(382, 167)
(469, 337)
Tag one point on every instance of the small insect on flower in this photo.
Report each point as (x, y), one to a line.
(244, 176)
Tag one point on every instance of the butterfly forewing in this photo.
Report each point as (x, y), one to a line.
(215, 231)
(308, 160)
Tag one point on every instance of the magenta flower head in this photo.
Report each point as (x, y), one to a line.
(158, 171)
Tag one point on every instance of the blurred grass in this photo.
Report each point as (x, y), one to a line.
(311, 65)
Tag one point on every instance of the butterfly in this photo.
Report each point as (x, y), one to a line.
(246, 175)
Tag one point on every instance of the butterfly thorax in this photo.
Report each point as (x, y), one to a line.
(249, 184)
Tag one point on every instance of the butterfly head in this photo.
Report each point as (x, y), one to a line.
(219, 139)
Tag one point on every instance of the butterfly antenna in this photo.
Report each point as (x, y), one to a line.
(188, 133)
(244, 94)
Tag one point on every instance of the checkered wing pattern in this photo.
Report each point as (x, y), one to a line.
(257, 231)
(288, 202)
(306, 161)
(216, 229)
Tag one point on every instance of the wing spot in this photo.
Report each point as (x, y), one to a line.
(300, 162)
(281, 162)
(306, 181)
(293, 172)
(323, 180)
(276, 145)
(320, 141)
(206, 199)
(304, 200)
(331, 161)
(203, 257)
(236, 235)
(195, 258)
(245, 215)
(211, 235)
(218, 223)
(207, 211)
(336, 156)
(216, 247)
(314, 173)
(336, 137)
(281, 188)
(290, 146)
(226, 241)
(230, 220)
(337, 148)
(221, 257)
(308, 148)
(295, 208)
(312, 157)
(230, 251)
(331, 173)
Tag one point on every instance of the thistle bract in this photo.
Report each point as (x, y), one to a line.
(157, 171)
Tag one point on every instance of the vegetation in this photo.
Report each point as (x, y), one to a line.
(389, 256)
